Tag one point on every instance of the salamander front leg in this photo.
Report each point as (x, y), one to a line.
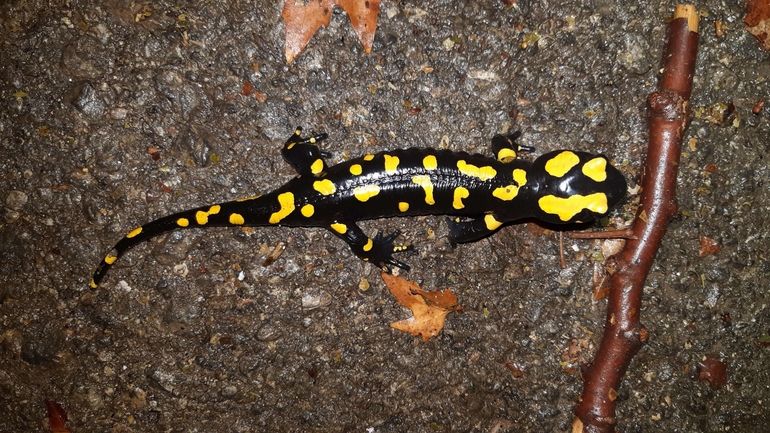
(473, 230)
(506, 149)
(378, 250)
(302, 153)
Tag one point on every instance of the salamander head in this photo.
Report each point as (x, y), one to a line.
(574, 187)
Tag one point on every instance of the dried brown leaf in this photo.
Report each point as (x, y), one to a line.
(57, 417)
(708, 247)
(713, 371)
(758, 21)
(363, 17)
(304, 19)
(429, 309)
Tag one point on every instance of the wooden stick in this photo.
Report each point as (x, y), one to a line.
(669, 113)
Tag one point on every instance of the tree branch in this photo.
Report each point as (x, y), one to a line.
(669, 113)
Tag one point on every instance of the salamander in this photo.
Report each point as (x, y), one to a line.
(481, 193)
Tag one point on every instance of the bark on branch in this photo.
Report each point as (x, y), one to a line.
(669, 113)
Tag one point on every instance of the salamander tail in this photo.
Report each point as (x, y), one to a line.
(254, 211)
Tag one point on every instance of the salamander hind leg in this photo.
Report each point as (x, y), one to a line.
(303, 154)
(506, 149)
(472, 230)
(378, 250)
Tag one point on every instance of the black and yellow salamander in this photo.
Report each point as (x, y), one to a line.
(482, 193)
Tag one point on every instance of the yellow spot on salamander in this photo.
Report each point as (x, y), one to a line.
(286, 200)
(183, 222)
(369, 245)
(134, 232)
(596, 169)
(560, 164)
(325, 187)
(459, 194)
(483, 173)
(307, 210)
(356, 169)
(491, 222)
(403, 206)
(364, 193)
(251, 197)
(506, 193)
(339, 228)
(429, 162)
(236, 219)
(202, 217)
(109, 259)
(391, 164)
(368, 157)
(290, 145)
(520, 177)
(567, 208)
(506, 155)
(317, 166)
(92, 284)
(427, 185)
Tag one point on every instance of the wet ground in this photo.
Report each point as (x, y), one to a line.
(113, 115)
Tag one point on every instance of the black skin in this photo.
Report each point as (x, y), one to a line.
(479, 192)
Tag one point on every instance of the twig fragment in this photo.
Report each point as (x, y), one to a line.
(669, 113)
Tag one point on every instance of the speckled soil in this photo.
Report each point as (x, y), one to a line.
(107, 122)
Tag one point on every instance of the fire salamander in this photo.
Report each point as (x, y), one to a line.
(482, 193)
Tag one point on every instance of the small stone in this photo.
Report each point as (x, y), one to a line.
(229, 391)
(94, 399)
(16, 200)
(11, 216)
(118, 113)
(268, 333)
(88, 101)
(311, 302)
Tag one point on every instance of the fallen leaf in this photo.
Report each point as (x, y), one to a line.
(429, 309)
(154, 153)
(719, 28)
(714, 371)
(165, 188)
(708, 247)
(601, 286)
(302, 20)
(363, 17)
(758, 21)
(575, 354)
(413, 110)
(516, 371)
(261, 97)
(57, 417)
(764, 340)
(247, 89)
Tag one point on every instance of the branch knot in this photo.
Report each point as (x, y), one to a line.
(669, 105)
